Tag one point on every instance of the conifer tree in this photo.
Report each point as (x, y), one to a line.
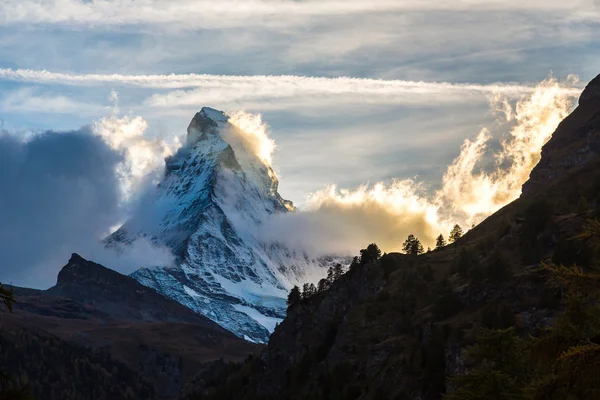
(455, 234)
(440, 242)
(338, 271)
(308, 290)
(294, 297)
(369, 255)
(412, 245)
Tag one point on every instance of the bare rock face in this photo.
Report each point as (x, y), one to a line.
(591, 92)
(574, 145)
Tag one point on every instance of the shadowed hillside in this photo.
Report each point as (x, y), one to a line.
(118, 337)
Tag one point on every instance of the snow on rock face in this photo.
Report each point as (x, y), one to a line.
(207, 210)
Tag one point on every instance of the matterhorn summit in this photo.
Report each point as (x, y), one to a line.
(216, 192)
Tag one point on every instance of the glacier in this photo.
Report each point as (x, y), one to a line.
(208, 210)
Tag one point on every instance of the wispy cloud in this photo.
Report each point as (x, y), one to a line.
(204, 13)
(261, 86)
(340, 221)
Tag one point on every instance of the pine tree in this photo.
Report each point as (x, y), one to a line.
(323, 285)
(455, 234)
(338, 271)
(7, 297)
(412, 245)
(308, 290)
(369, 255)
(440, 242)
(294, 297)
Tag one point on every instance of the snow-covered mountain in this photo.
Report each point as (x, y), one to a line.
(208, 210)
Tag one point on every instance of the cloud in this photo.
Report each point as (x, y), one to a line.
(340, 221)
(56, 189)
(288, 91)
(192, 14)
(252, 133)
(270, 85)
(144, 156)
(62, 192)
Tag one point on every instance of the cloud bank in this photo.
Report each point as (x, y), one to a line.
(341, 221)
(283, 85)
(62, 192)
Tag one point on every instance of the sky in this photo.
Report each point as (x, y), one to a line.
(354, 92)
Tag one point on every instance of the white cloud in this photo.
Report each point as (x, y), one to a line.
(215, 88)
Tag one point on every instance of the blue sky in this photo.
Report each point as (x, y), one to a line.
(461, 41)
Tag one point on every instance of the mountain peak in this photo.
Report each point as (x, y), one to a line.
(79, 270)
(208, 210)
(204, 123)
(591, 92)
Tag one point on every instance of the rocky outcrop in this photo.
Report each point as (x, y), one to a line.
(591, 93)
(573, 146)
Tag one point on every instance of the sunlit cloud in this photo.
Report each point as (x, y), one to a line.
(335, 220)
(143, 156)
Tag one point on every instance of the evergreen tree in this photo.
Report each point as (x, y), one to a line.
(7, 297)
(369, 255)
(338, 271)
(412, 245)
(440, 242)
(455, 234)
(323, 285)
(308, 290)
(294, 297)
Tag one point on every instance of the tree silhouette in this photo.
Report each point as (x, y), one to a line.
(412, 245)
(369, 255)
(440, 242)
(455, 234)
(308, 290)
(294, 296)
(7, 297)
(323, 285)
(338, 271)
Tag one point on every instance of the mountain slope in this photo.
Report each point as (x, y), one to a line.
(98, 314)
(398, 328)
(208, 210)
